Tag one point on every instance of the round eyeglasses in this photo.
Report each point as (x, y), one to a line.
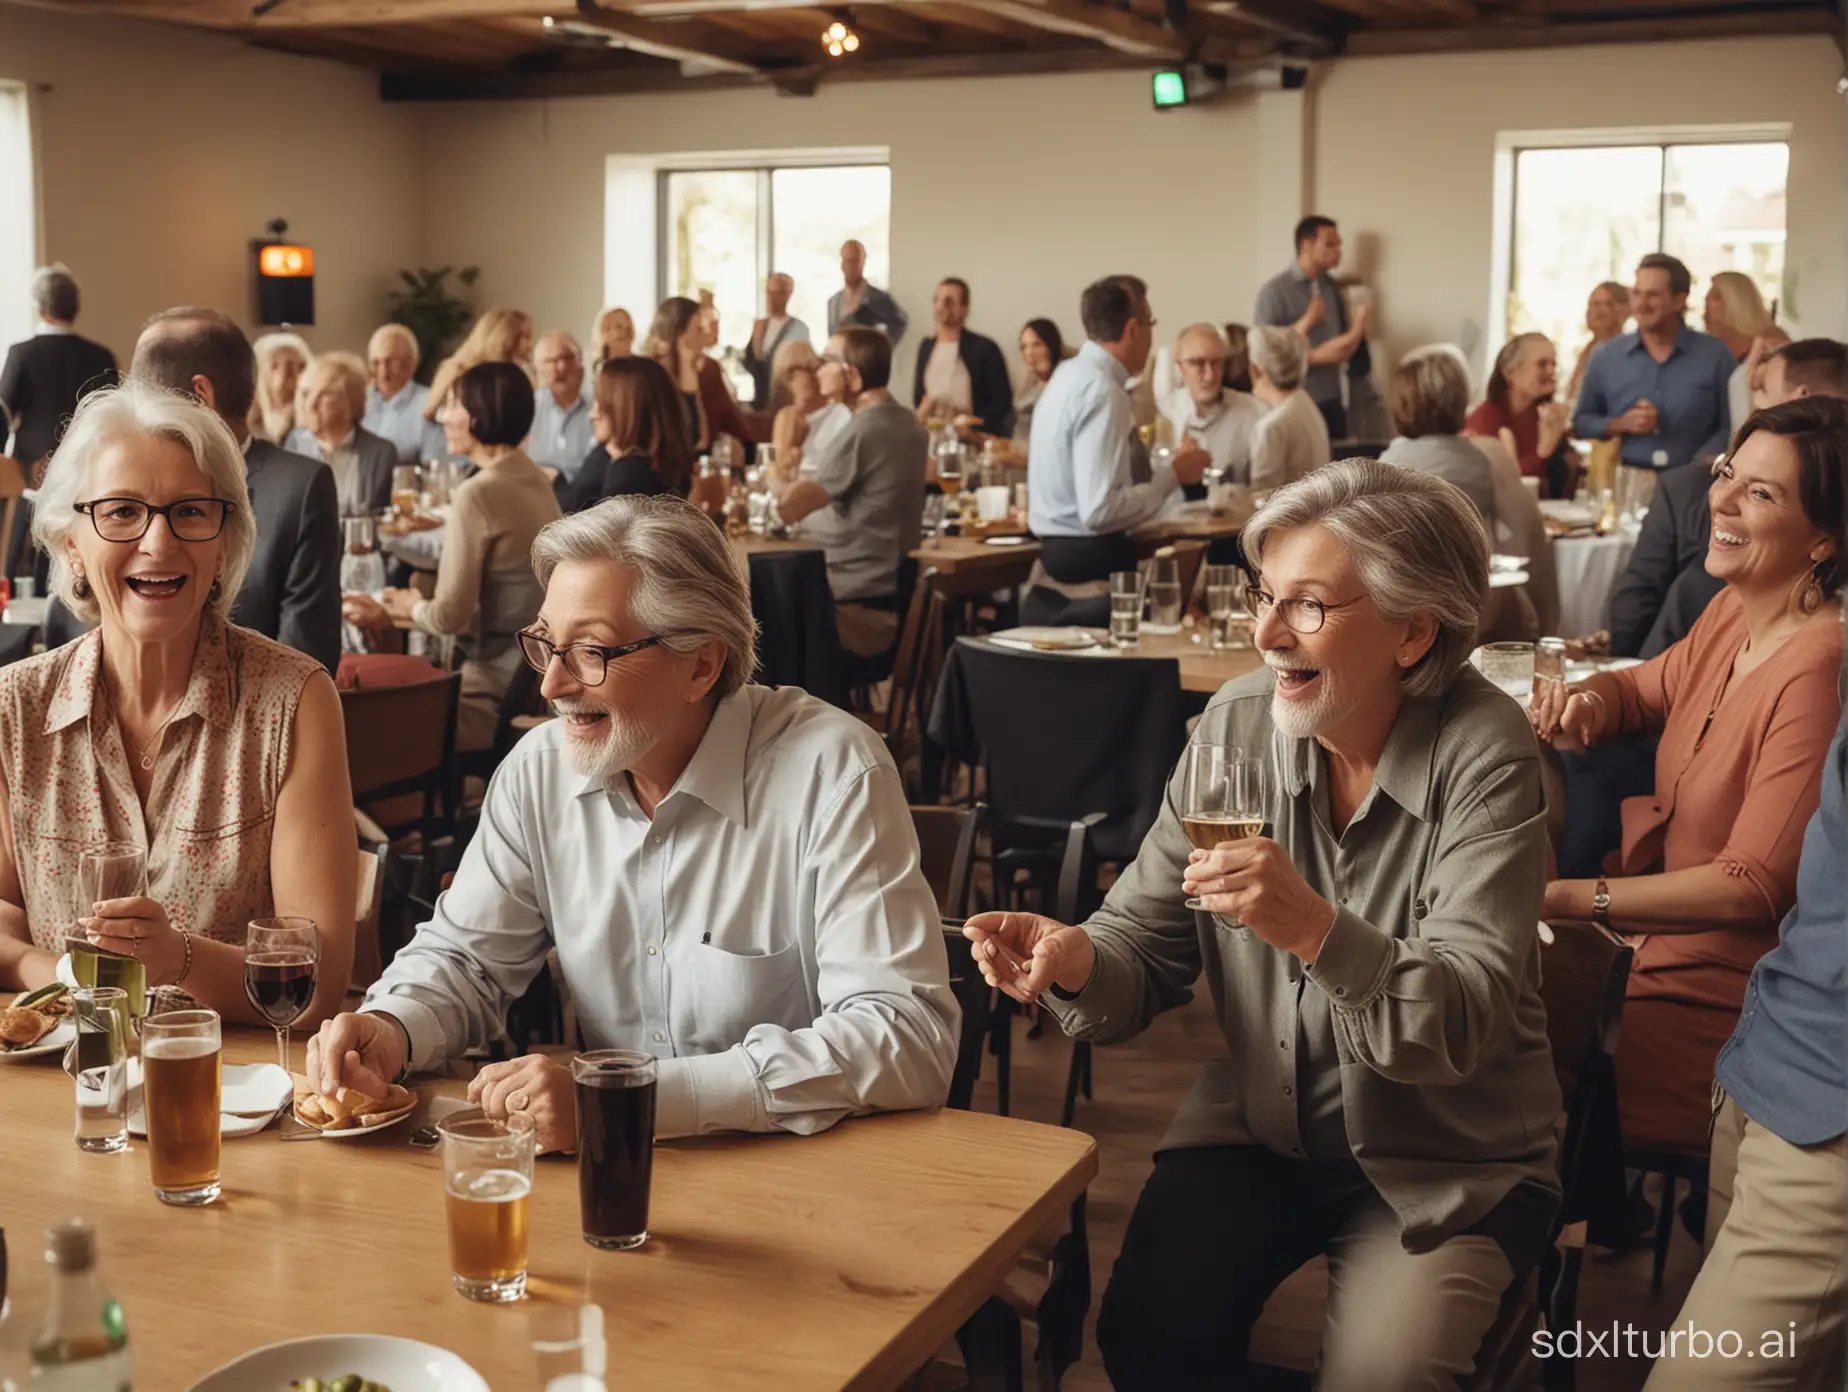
(128, 519)
(1300, 615)
(588, 663)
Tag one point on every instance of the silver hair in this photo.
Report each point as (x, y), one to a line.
(570, 338)
(395, 332)
(1212, 329)
(1430, 391)
(54, 292)
(1416, 542)
(342, 369)
(140, 410)
(1281, 354)
(688, 585)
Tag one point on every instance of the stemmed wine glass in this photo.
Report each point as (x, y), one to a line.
(281, 958)
(1224, 799)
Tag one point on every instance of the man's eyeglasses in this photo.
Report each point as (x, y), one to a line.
(588, 663)
(1300, 615)
(128, 519)
(1210, 364)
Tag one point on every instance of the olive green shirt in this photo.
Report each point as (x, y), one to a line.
(1418, 1039)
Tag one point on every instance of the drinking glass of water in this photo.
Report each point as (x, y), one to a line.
(1511, 667)
(1164, 594)
(98, 1060)
(1225, 606)
(1126, 608)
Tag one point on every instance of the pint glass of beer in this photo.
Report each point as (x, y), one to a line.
(180, 1081)
(488, 1186)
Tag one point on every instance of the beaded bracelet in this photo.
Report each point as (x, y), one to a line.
(186, 966)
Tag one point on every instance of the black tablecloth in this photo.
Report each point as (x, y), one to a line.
(796, 640)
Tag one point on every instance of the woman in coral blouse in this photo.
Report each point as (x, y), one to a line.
(1745, 706)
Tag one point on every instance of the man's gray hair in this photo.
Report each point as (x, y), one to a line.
(54, 292)
(1281, 353)
(569, 338)
(141, 410)
(689, 587)
(1416, 541)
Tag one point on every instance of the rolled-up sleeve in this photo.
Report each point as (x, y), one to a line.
(886, 1035)
(451, 985)
(1146, 939)
(1427, 1009)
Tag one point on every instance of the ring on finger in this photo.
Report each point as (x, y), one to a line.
(516, 1102)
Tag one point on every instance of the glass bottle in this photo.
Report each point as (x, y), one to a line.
(83, 1344)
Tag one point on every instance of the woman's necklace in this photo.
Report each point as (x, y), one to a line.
(144, 754)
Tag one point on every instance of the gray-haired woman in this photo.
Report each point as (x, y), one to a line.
(1387, 1094)
(218, 752)
(1291, 440)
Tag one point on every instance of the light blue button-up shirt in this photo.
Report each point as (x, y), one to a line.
(1082, 448)
(768, 935)
(401, 420)
(1688, 389)
(562, 436)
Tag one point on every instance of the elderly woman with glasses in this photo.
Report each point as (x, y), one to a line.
(219, 753)
(1387, 1096)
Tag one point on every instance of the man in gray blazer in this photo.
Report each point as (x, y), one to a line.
(292, 592)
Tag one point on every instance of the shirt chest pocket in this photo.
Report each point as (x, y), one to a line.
(718, 996)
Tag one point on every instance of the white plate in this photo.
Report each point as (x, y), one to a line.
(1507, 579)
(54, 1043)
(367, 1126)
(1048, 639)
(1012, 540)
(247, 1087)
(1500, 563)
(404, 1365)
(1569, 514)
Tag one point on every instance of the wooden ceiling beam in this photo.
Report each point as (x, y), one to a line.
(1728, 24)
(679, 41)
(1313, 29)
(1123, 30)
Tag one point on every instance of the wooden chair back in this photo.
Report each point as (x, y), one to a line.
(401, 743)
(367, 911)
(946, 851)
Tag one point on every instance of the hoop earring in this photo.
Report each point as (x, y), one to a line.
(80, 586)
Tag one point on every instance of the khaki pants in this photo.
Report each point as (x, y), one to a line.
(865, 632)
(1776, 1271)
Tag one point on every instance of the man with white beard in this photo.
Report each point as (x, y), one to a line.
(1387, 1093)
(728, 872)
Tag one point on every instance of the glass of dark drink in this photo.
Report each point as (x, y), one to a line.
(280, 959)
(616, 1115)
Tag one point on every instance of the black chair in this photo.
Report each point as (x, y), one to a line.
(946, 853)
(864, 672)
(797, 644)
(521, 702)
(1676, 1167)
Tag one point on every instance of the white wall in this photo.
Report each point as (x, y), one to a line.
(1404, 153)
(1029, 188)
(162, 152)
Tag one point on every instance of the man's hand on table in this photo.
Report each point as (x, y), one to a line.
(539, 1086)
(365, 1052)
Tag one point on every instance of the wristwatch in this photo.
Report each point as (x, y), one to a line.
(1601, 905)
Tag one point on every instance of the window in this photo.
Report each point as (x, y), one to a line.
(18, 216)
(1585, 213)
(726, 230)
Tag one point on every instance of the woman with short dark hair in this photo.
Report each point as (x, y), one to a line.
(485, 588)
(1745, 707)
(642, 441)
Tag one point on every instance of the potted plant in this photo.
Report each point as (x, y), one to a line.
(433, 312)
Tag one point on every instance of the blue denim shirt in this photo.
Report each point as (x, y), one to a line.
(1783, 1065)
(1688, 390)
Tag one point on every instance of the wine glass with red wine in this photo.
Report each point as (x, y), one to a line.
(280, 958)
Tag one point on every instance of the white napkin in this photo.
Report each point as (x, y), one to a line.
(247, 1087)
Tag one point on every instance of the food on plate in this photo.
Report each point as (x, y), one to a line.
(351, 1382)
(33, 1016)
(346, 1109)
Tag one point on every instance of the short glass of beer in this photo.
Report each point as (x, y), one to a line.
(180, 1085)
(488, 1187)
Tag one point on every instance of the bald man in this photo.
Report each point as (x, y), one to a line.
(396, 399)
(769, 334)
(1208, 412)
(858, 302)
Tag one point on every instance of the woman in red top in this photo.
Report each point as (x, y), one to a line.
(678, 340)
(1520, 401)
(1745, 706)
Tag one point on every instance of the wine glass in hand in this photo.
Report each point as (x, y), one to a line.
(281, 957)
(1225, 798)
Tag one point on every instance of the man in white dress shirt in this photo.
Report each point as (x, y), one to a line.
(1207, 412)
(728, 872)
(395, 402)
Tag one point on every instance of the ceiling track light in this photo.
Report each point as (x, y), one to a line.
(838, 39)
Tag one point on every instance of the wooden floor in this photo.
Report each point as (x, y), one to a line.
(1139, 1087)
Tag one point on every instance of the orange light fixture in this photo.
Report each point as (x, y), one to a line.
(838, 39)
(284, 260)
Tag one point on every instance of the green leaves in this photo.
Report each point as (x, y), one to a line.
(433, 312)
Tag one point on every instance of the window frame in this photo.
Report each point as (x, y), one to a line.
(1509, 145)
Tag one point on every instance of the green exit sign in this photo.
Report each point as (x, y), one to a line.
(1169, 88)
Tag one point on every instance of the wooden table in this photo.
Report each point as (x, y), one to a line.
(842, 1260)
(967, 555)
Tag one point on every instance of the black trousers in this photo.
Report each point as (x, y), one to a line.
(1335, 414)
(1216, 1231)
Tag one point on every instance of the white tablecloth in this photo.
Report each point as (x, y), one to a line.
(1588, 570)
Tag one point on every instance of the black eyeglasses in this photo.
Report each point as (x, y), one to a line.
(128, 519)
(1299, 615)
(588, 663)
